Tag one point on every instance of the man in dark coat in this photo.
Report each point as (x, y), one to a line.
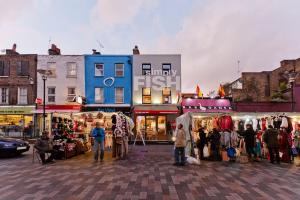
(271, 139)
(249, 138)
(214, 139)
(202, 142)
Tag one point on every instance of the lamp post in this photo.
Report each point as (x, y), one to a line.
(291, 76)
(44, 77)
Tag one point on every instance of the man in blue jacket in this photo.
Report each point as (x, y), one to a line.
(99, 136)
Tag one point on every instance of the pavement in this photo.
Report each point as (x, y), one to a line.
(147, 174)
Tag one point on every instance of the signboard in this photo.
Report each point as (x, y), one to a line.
(16, 110)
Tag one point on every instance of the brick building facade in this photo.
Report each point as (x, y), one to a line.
(263, 86)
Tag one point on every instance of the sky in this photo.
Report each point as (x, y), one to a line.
(211, 35)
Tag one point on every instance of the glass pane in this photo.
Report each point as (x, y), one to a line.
(51, 90)
(161, 126)
(166, 91)
(99, 69)
(146, 66)
(166, 66)
(151, 129)
(146, 91)
(146, 99)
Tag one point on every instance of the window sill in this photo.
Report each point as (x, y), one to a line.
(69, 76)
(4, 76)
(23, 76)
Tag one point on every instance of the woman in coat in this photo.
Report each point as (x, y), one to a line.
(285, 145)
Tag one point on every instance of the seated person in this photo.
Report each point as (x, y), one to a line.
(45, 145)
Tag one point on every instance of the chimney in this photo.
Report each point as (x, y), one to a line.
(95, 52)
(12, 51)
(136, 50)
(54, 50)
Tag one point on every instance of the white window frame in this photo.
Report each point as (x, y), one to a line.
(6, 95)
(116, 96)
(51, 66)
(123, 73)
(70, 68)
(51, 95)
(102, 71)
(101, 97)
(71, 97)
(22, 98)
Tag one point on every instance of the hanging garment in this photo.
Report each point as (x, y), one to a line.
(284, 123)
(234, 139)
(228, 123)
(258, 124)
(263, 124)
(226, 139)
(248, 121)
(236, 125)
(284, 145)
(215, 122)
(241, 126)
(255, 123)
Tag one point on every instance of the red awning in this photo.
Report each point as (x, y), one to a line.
(59, 108)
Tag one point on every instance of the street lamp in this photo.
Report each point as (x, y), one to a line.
(291, 76)
(44, 77)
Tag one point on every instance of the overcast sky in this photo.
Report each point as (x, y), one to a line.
(211, 35)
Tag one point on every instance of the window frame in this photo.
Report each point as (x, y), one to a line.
(102, 69)
(69, 69)
(148, 95)
(101, 101)
(123, 69)
(121, 102)
(5, 64)
(20, 65)
(22, 95)
(6, 96)
(167, 96)
(51, 95)
(168, 70)
(52, 69)
(144, 71)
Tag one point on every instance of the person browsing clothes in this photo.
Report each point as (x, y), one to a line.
(99, 136)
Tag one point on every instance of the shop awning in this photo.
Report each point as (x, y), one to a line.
(59, 109)
(156, 109)
(206, 105)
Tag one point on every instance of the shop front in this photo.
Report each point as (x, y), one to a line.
(155, 123)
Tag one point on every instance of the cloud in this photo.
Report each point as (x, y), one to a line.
(111, 13)
(215, 35)
(13, 9)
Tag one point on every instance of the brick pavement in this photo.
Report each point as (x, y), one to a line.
(147, 174)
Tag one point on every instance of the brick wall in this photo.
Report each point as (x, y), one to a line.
(13, 81)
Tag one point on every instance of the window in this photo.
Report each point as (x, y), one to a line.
(52, 67)
(99, 69)
(23, 68)
(22, 97)
(147, 95)
(146, 69)
(4, 68)
(71, 94)
(119, 95)
(71, 69)
(166, 69)
(99, 95)
(51, 94)
(3, 95)
(119, 70)
(166, 95)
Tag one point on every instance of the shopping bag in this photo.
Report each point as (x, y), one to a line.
(205, 152)
(193, 161)
(224, 156)
(294, 151)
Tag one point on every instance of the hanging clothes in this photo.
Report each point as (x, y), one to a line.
(284, 123)
(255, 123)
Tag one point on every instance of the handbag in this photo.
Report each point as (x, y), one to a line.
(205, 152)
(294, 151)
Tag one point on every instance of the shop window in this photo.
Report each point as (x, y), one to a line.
(99, 95)
(146, 95)
(99, 69)
(166, 69)
(4, 96)
(23, 68)
(119, 70)
(71, 69)
(71, 94)
(166, 93)
(51, 66)
(22, 95)
(119, 95)
(4, 68)
(51, 94)
(146, 69)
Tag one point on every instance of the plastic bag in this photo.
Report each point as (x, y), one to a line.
(205, 152)
(193, 161)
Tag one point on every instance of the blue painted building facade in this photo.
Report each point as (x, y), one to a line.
(108, 82)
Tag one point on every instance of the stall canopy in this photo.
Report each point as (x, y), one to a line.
(158, 109)
(196, 105)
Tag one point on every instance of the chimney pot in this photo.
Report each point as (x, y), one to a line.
(136, 50)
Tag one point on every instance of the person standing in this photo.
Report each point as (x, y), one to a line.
(297, 139)
(249, 137)
(99, 137)
(202, 142)
(180, 144)
(215, 143)
(271, 140)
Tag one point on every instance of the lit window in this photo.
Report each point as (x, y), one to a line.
(51, 94)
(99, 95)
(166, 95)
(3, 95)
(99, 69)
(71, 69)
(119, 95)
(146, 95)
(22, 95)
(119, 70)
(146, 69)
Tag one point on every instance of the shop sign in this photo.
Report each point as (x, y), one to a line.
(107, 109)
(11, 110)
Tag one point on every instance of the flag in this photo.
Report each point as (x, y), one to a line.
(198, 91)
(221, 91)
